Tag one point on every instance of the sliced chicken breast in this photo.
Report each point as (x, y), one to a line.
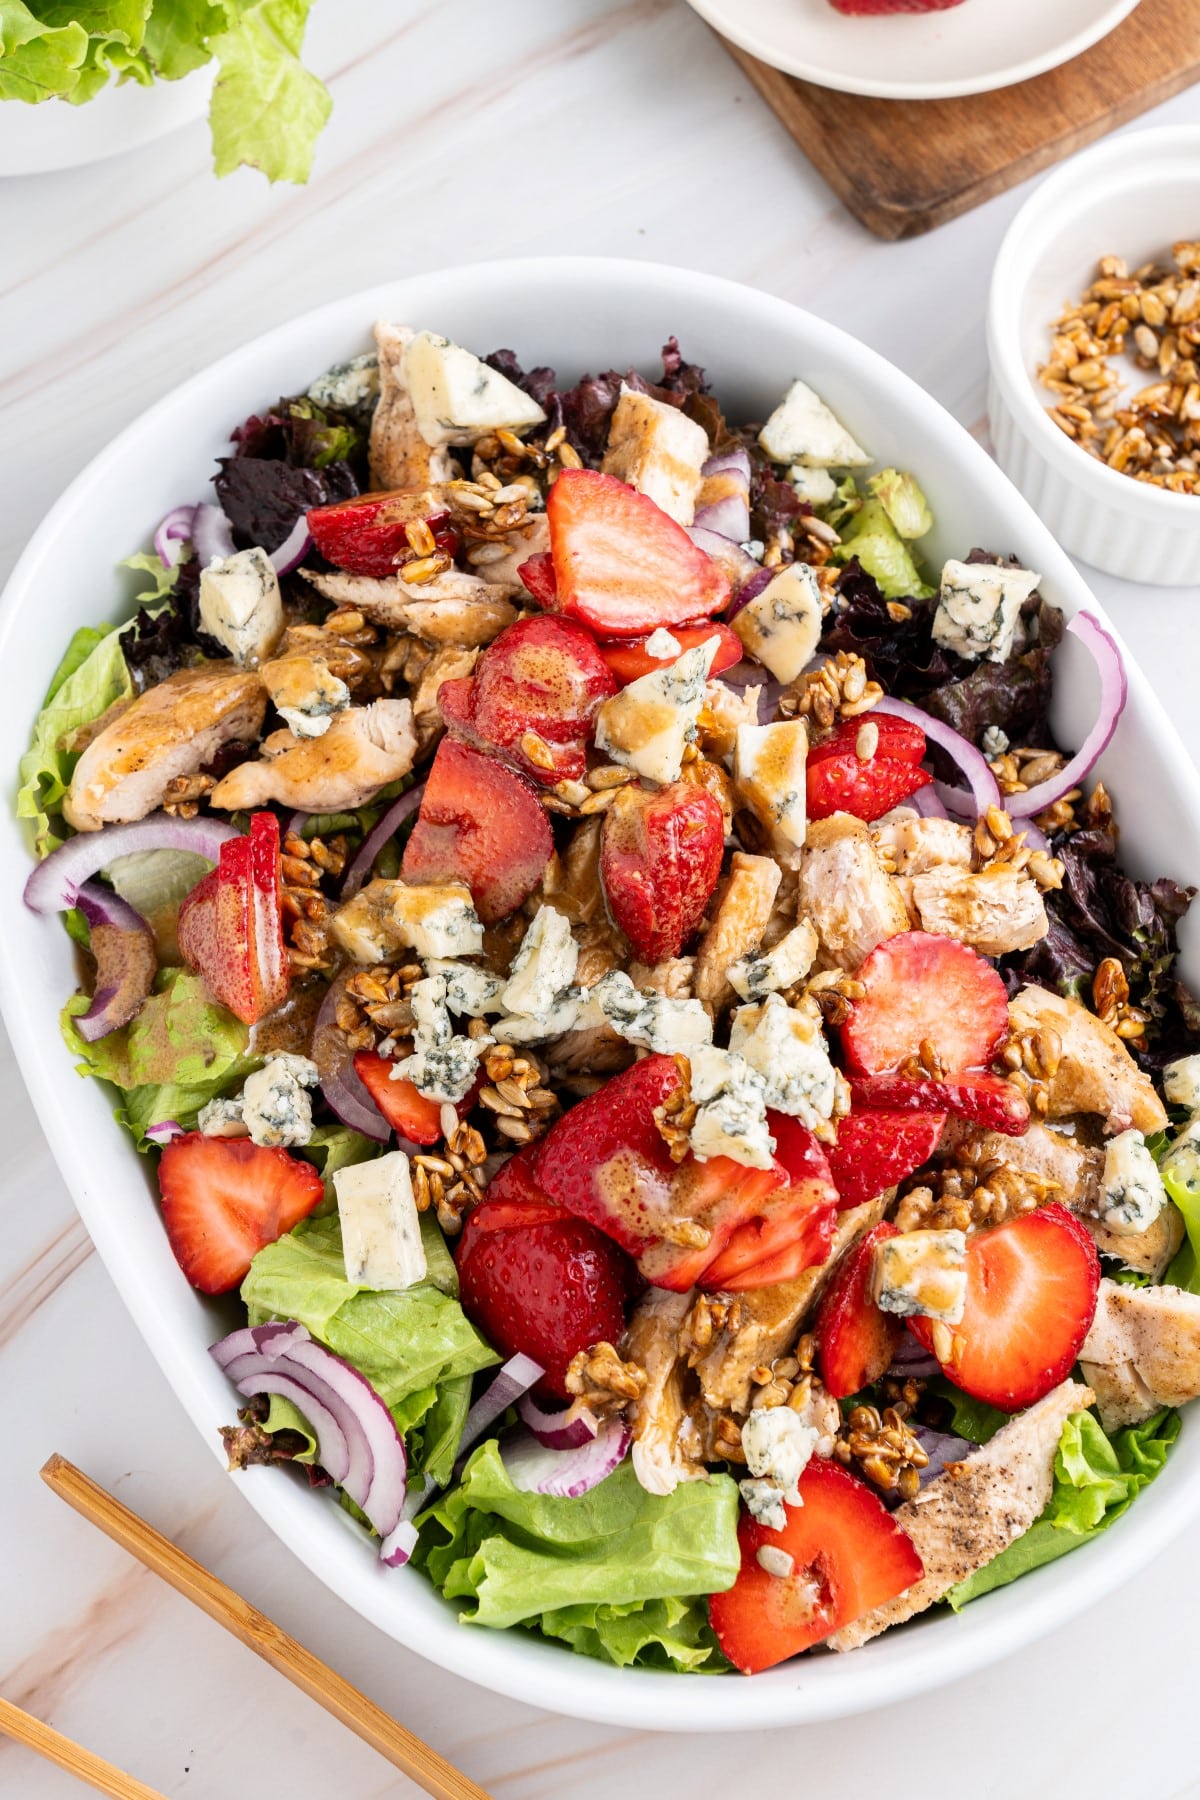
(1096, 1073)
(399, 455)
(364, 748)
(1142, 1352)
(738, 923)
(173, 729)
(667, 1446)
(847, 893)
(454, 608)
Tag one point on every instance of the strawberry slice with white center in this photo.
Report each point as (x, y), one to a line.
(231, 925)
(225, 1199)
(1031, 1294)
(925, 993)
(480, 823)
(985, 1099)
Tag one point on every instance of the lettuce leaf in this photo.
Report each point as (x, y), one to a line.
(180, 1050)
(91, 677)
(872, 539)
(1096, 1479)
(39, 59)
(177, 34)
(412, 1345)
(267, 109)
(617, 1573)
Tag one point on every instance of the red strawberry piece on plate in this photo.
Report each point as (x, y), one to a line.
(407, 1110)
(794, 1229)
(231, 925)
(925, 990)
(543, 1282)
(537, 572)
(607, 1161)
(865, 767)
(985, 1099)
(1031, 1293)
(533, 697)
(369, 535)
(886, 8)
(225, 1199)
(876, 1149)
(630, 659)
(515, 1181)
(621, 564)
(855, 1342)
(660, 858)
(480, 823)
(848, 1556)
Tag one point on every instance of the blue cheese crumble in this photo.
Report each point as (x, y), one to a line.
(785, 1047)
(273, 1108)
(1131, 1188)
(778, 1447)
(978, 607)
(731, 1109)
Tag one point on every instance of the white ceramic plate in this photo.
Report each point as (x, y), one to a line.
(973, 47)
(55, 135)
(578, 314)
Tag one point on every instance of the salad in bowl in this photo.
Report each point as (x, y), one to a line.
(622, 989)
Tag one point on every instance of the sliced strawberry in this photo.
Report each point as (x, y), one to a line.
(369, 535)
(480, 823)
(795, 1227)
(547, 1284)
(1031, 1293)
(533, 697)
(607, 1162)
(897, 739)
(631, 659)
(886, 8)
(875, 1150)
(407, 1110)
(537, 572)
(855, 1341)
(848, 1557)
(225, 1199)
(985, 1099)
(868, 787)
(660, 859)
(922, 989)
(515, 1182)
(231, 924)
(621, 564)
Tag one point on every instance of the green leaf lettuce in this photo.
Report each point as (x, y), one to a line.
(91, 677)
(268, 109)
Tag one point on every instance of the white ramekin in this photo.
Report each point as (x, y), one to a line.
(1133, 195)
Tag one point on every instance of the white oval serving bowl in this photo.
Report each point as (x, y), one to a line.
(35, 140)
(1133, 196)
(579, 314)
(969, 49)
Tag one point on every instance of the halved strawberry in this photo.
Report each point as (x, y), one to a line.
(533, 697)
(1031, 1293)
(515, 1181)
(631, 659)
(544, 1283)
(923, 989)
(403, 1105)
(480, 823)
(848, 1556)
(985, 1099)
(886, 8)
(660, 858)
(537, 572)
(231, 924)
(876, 1149)
(369, 535)
(855, 1342)
(868, 786)
(794, 1229)
(621, 564)
(225, 1199)
(897, 739)
(607, 1162)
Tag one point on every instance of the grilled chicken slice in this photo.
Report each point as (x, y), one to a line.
(454, 608)
(1096, 1073)
(847, 893)
(450, 663)
(173, 729)
(1142, 1352)
(667, 1445)
(399, 455)
(994, 910)
(738, 923)
(768, 1320)
(910, 844)
(364, 748)
(529, 539)
(961, 1521)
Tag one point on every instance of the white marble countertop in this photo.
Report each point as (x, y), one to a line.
(459, 132)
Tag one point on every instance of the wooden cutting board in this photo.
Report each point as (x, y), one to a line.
(904, 166)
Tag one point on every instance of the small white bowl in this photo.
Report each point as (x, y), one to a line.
(1131, 196)
(34, 140)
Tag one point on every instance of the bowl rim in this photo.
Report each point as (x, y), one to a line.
(715, 14)
(1122, 157)
(927, 1654)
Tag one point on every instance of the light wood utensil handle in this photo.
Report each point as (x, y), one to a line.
(85, 1765)
(260, 1634)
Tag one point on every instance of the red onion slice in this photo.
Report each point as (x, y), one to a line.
(54, 885)
(736, 564)
(294, 548)
(212, 534)
(262, 1359)
(565, 1474)
(342, 1088)
(985, 789)
(1035, 837)
(729, 513)
(926, 802)
(163, 1132)
(399, 1544)
(176, 528)
(750, 589)
(567, 1429)
(1114, 691)
(513, 1380)
(363, 861)
(126, 961)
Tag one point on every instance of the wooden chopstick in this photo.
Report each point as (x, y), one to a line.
(85, 1765)
(260, 1634)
